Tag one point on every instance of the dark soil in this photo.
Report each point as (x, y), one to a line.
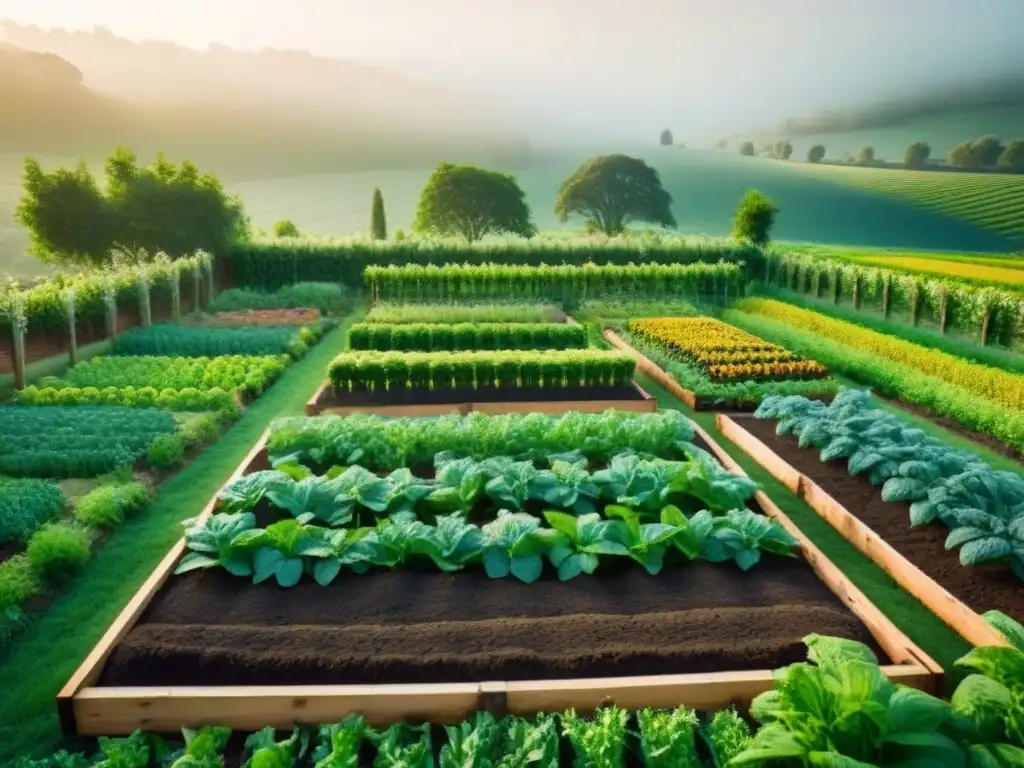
(211, 628)
(981, 587)
(452, 395)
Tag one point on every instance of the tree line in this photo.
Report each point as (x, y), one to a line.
(175, 210)
(984, 153)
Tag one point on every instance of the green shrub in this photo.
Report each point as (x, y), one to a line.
(109, 505)
(166, 451)
(329, 298)
(57, 550)
(25, 505)
(460, 337)
(18, 582)
(203, 429)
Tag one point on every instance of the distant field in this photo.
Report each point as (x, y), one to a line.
(992, 201)
(706, 185)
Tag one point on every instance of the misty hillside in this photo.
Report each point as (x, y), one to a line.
(241, 114)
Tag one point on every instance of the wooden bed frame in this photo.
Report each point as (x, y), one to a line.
(321, 403)
(88, 709)
(935, 597)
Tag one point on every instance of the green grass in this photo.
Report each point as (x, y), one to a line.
(52, 366)
(922, 626)
(991, 201)
(47, 655)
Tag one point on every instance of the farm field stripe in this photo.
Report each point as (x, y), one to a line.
(919, 624)
(46, 656)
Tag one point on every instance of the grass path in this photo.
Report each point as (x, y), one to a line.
(917, 622)
(43, 659)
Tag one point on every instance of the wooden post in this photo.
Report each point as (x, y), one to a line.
(835, 286)
(943, 310)
(69, 297)
(176, 296)
(887, 296)
(19, 325)
(110, 301)
(915, 305)
(856, 291)
(145, 307)
(986, 325)
(197, 303)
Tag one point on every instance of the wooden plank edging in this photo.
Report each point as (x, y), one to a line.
(929, 592)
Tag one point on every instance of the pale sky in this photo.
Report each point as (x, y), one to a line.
(713, 63)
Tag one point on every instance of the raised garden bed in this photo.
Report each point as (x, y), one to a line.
(914, 556)
(694, 401)
(383, 648)
(407, 401)
(242, 318)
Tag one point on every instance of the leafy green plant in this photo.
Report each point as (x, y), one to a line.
(25, 505)
(840, 709)
(340, 743)
(203, 748)
(645, 542)
(58, 550)
(582, 539)
(461, 481)
(165, 451)
(263, 750)
(474, 743)
(530, 743)
(403, 746)
(514, 543)
(135, 751)
(329, 298)
(727, 734)
(741, 536)
(567, 485)
(108, 505)
(404, 313)
(668, 738)
(198, 341)
(451, 543)
(18, 583)
(599, 742)
(279, 548)
(436, 337)
(216, 542)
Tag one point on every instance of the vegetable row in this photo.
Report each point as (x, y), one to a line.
(382, 444)
(675, 738)
(329, 298)
(405, 312)
(836, 709)
(734, 394)
(512, 544)
(561, 283)
(272, 263)
(379, 371)
(725, 353)
(198, 341)
(436, 337)
(986, 313)
(982, 507)
(1001, 387)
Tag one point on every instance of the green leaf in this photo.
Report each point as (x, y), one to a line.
(527, 568)
(561, 522)
(497, 564)
(289, 572)
(265, 563)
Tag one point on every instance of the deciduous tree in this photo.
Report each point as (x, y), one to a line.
(666, 138)
(754, 218)
(747, 148)
(917, 154)
(1013, 156)
(286, 228)
(613, 190)
(866, 156)
(472, 202)
(816, 154)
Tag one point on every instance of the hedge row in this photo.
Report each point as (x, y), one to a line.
(379, 371)
(431, 337)
(565, 284)
(988, 314)
(270, 264)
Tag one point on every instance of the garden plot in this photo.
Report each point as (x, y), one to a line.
(714, 366)
(647, 600)
(504, 381)
(942, 523)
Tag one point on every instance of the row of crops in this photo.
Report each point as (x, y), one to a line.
(83, 451)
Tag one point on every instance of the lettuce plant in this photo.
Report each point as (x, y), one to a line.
(279, 548)
(461, 484)
(668, 738)
(530, 743)
(203, 748)
(741, 535)
(403, 746)
(726, 734)
(989, 702)
(246, 492)
(567, 485)
(265, 751)
(451, 543)
(135, 751)
(475, 743)
(389, 544)
(599, 742)
(841, 710)
(510, 483)
(216, 542)
(581, 540)
(339, 550)
(515, 543)
(340, 743)
(645, 542)
(405, 491)
(705, 479)
(632, 481)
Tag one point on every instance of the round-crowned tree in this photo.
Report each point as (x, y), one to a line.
(747, 148)
(472, 202)
(613, 190)
(666, 138)
(754, 218)
(286, 228)
(816, 154)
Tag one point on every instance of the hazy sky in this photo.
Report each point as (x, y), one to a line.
(700, 66)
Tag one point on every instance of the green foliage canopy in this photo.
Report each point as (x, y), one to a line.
(472, 202)
(917, 154)
(613, 190)
(754, 218)
(378, 222)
